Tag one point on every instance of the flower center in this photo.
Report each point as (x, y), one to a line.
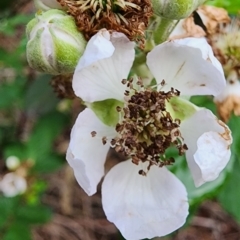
(147, 129)
(129, 17)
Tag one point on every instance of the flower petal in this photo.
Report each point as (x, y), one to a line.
(184, 69)
(144, 206)
(208, 141)
(87, 154)
(206, 49)
(106, 61)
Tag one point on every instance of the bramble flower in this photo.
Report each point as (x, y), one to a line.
(140, 196)
(204, 21)
(12, 185)
(229, 100)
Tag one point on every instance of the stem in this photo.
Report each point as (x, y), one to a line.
(163, 29)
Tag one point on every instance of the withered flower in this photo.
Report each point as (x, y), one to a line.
(130, 17)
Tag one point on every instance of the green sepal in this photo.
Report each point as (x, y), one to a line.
(181, 108)
(106, 111)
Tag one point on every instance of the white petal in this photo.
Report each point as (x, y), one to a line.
(184, 69)
(206, 49)
(87, 154)
(211, 155)
(208, 141)
(144, 206)
(105, 63)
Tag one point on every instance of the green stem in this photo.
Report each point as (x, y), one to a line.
(163, 29)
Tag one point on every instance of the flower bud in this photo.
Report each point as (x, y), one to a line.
(47, 4)
(12, 163)
(175, 9)
(12, 185)
(55, 45)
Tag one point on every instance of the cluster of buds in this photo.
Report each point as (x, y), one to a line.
(13, 183)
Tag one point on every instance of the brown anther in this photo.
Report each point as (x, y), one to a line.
(141, 172)
(124, 81)
(104, 140)
(93, 133)
(119, 109)
(147, 129)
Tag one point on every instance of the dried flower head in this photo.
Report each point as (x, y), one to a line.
(226, 46)
(127, 16)
(206, 20)
(228, 101)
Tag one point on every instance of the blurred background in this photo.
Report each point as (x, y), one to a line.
(39, 198)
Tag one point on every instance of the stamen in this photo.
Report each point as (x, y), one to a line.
(146, 129)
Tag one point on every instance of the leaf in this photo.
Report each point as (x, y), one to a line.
(7, 208)
(16, 149)
(45, 132)
(230, 194)
(234, 124)
(48, 164)
(33, 214)
(40, 97)
(18, 231)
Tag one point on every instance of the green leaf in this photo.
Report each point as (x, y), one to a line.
(16, 149)
(48, 163)
(230, 194)
(234, 124)
(7, 208)
(232, 6)
(10, 93)
(45, 132)
(40, 97)
(204, 101)
(33, 214)
(18, 231)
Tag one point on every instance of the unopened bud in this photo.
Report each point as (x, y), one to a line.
(12, 162)
(12, 185)
(55, 44)
(175, 9)
(47, 4)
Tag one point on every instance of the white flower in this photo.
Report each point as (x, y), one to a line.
(12, 185)
(154, 204)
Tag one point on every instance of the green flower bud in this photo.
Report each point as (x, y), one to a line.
(175, 9)
(55, 44)
(47, 4)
